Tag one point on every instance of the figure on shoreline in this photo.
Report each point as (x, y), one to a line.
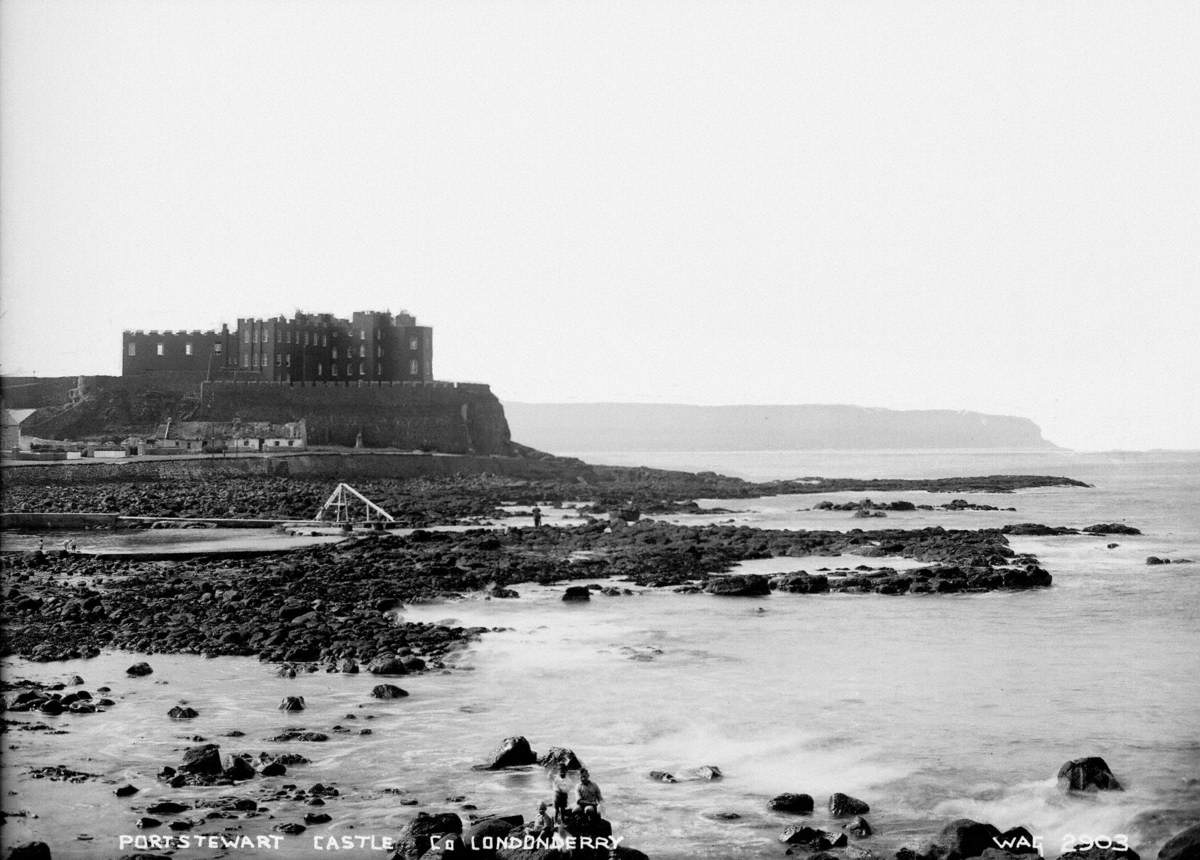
(588, 794)
(537, 517)
(542, 825)
(561, 782)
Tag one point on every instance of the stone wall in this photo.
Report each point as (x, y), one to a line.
(334, 466)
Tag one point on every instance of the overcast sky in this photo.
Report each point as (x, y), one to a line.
(965, 205)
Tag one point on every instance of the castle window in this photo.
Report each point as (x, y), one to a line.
(413, 367)
(362, 352)
(132, 348)
(246, 335)
(319, 369)
(362, 369)
(278, 360)
(349, 369)
(266, 335)
(187, 349)
(379, 352)
(333, 369)
(218, 348)
(287, 359)
(324, 340)
(414, 343)
(245, 359)
(162, 350)
(362, 334)
(306, 338)
(335, 353)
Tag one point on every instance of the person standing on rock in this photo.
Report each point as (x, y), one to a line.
(537, 517)
(561, 782)
(588, 793)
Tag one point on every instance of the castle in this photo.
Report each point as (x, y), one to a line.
(371, 346)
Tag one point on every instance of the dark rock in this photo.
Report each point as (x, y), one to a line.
(182, 713)
(738, 585)
(146, 823)
(577, 592)
(138, 670)
(842, 805)
(126, 790)
(812, 838)
(966, 838)
(239, 769)
(707, 771)
(557, 756)
(1182, 846)
(30, 851)
(387, 664)
(512, 752)
(1087, 774)
(859, 827)
(205, 759)
(418, 836)
(493, 827)
(167, 807)
(1111, 529)
(290, 828)
(388, 691)
(662, 776)
(317, 818)
(1153, 559)
(797, 804)
(292, 703)
(273, 769)
(801, 583)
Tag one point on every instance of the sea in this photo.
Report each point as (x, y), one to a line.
(929, 708)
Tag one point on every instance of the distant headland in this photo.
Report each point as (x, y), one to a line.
(673, 427)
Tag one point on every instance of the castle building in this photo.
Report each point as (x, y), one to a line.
(371, 346)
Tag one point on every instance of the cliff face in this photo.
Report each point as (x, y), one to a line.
(666, 427)
(442, 416)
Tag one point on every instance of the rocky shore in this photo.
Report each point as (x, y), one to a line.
(421, 502)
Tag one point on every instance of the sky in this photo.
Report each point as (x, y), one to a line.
(952, 205)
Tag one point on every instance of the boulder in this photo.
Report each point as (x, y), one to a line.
(387, 664)
(662, 776)
(557, 756)
(418, 835)
(239, 769)
(204, 759)
(167, 807)
(738, 585)
(859, 827)
(966, 838)
(843, 805)
(707, 771)
(577, 592)
(126, 790)
(1087, 774)
(1182, 846)
(797, 804)
(138, 670)
(1153, 559)
(388, 691)
(812, 838)
(181, 712)
(292, 703)
(802, 583)
(30, 851)
(512, 752)
(273, 769)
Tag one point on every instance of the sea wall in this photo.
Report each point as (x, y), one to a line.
(332, 465)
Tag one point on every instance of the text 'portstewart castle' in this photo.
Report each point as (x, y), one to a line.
(373, 346)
